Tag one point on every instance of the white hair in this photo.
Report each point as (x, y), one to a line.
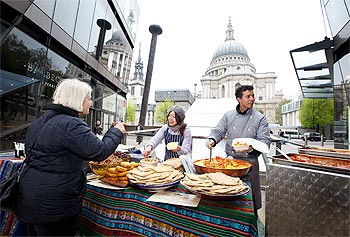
(71, 93)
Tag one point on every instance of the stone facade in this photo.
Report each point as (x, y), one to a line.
(231, 67)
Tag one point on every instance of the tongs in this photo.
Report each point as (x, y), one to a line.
(284, 154)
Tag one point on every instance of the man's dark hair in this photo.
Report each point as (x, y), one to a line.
(241, 89)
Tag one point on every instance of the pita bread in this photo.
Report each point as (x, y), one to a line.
(214, 184)
(160, 169)
(220, 178)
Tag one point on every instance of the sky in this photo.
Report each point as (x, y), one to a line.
(194, 29)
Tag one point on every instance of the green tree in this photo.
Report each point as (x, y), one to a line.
(278, 110)
(316, 113)
(130, 112)
(161, 112)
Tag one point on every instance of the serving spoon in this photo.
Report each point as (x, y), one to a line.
(210, 154)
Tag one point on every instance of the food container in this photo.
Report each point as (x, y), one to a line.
(326, 152)
(136, 158)
(147, 162)
(172, 145)
(242, 169)
(122, 155)
(315, 162)
(100, 169)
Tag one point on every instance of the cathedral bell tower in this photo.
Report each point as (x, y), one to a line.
(136, 86)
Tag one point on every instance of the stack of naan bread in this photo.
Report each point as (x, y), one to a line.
(214, 184)
(154, 175)
(175, 163)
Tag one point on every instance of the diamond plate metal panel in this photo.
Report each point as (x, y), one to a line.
(306, 202)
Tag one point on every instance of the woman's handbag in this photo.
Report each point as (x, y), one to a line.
(9, 190)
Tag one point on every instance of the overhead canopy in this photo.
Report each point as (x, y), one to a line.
(204, 114)
(11, 81)
(312, 64)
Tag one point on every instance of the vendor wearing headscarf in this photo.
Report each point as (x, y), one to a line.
(174, 131)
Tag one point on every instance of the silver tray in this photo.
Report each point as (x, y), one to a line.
(280, 159)
(324, 153)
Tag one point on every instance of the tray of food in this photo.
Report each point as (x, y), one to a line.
(216, 186)
(228, 166)
(326, 152)
(316, 162)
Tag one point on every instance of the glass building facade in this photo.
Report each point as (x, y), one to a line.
(337, 14)
(43, 42)
(323, 68)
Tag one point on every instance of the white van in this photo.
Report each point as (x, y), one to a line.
(293, 134)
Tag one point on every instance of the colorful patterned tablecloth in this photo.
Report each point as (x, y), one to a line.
(127, 213)
(9, 224)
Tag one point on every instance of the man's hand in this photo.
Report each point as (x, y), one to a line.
(210, 143)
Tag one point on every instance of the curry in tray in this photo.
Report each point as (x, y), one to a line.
(317, 161)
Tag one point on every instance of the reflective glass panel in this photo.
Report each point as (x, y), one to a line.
(100, 13)
(22, 69)
(337, 15)
(344, 68)
(84, 21)
(46, 6)
(65, 14)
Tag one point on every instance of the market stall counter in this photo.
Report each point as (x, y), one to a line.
(128, 213)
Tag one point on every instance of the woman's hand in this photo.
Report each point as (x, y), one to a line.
(178, 148)
(120, 126)
(147, 151)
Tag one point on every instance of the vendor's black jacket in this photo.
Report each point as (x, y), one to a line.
(58, 144)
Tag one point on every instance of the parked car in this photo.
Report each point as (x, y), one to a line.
(293, 134)
(312, 136)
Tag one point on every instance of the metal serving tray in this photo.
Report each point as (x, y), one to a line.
(326, 152)
(323, 163)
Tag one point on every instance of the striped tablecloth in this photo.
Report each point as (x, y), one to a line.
(127, 213)
(9, 224)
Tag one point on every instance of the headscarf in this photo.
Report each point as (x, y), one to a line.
(180, 112)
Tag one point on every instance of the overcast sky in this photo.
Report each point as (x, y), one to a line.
(194, 29)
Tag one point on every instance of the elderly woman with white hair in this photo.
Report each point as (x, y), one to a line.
(57, 146)
(175, 131)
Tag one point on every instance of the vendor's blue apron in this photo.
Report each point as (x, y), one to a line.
(172, 138)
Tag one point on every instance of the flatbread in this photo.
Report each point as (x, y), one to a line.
(160, 169)
(220, 178)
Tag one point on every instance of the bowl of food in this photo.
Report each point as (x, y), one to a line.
(147, 162)
(241, 147)
(172, 145)
(122, 155)
(228, 166)
(100, 168)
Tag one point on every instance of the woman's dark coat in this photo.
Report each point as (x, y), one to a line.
(58, 144)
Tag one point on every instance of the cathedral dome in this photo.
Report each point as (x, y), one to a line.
(118, 36)
(230, 46)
